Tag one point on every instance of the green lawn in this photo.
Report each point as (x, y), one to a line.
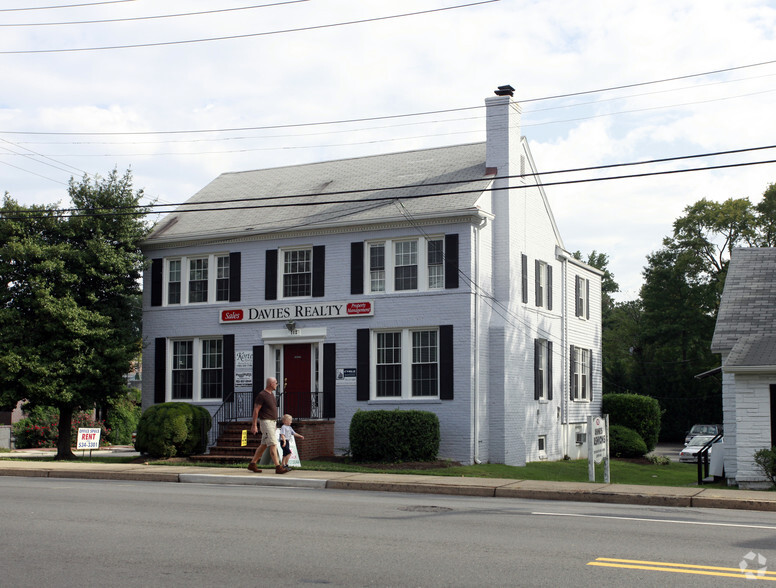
(622, 472)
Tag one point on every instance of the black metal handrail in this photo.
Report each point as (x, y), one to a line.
(703, 458)
(238, 405)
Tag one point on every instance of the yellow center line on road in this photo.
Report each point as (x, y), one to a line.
(678, 568)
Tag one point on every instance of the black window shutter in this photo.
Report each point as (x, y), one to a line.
(228, 366)
(576, 295)
(329, 380)
(587, 299)
(319, 269)
(524, 269)
(160, 369)
(549, 287)
(362, 364)
(357, 268)
(271, 276)
(590, 371)
(451, 261)
(572, 382)
(157, 280)
(537, 379)
(234, 276)
(258, 370)
(446, 362)
(538, 282)
(549, 370)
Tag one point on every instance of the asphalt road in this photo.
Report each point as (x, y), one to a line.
(65, 532)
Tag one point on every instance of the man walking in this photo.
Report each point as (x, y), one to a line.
(265, 410)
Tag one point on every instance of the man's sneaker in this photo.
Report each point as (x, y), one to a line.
(281, 470)
(252, 467)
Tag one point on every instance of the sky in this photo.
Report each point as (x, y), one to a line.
(181, 98)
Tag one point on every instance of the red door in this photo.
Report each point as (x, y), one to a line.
(296, 380)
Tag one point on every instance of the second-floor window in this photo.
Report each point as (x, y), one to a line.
(297, 272)
(197, 279)
(582, 296)
(398, 265)
(543, 282)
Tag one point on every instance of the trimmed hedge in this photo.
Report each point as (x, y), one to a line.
(640, 413)
(173, 429)
(394, 435)
(625, 442)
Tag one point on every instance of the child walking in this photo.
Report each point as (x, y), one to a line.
(286, 434)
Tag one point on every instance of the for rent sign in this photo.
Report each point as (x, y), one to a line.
(253, 314)
(88, 439)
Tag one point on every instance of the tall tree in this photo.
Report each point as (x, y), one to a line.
(70, 314)
(766, 215)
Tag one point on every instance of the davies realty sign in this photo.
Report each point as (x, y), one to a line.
(253, 314)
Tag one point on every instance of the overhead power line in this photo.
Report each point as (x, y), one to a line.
(63, 6)
(219, 205)
(248, 35)
(135, 18)
(363, 119)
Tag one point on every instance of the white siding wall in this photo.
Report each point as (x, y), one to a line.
(753, 425)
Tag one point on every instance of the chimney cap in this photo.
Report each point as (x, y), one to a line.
(505, 91)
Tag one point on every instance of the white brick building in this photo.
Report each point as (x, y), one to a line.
(433, 280)
(745, 336)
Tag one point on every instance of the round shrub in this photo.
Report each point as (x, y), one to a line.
(394, 435)
(173, 429)
(625, 442)
(640, 413)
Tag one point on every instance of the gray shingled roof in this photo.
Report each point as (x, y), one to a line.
(748, 306)
(462, 164)
(752, 351)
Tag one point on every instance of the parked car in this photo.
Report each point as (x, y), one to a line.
(690, 452)
(702, 430)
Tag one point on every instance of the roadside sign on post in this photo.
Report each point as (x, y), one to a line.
(598, 445)
(88, 439)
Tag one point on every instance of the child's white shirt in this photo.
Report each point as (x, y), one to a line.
(287, 432)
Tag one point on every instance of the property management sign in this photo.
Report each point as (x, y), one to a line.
(254, 314)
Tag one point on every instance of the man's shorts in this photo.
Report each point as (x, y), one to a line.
(269, 435)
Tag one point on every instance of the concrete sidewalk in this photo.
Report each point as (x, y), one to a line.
(490, 487)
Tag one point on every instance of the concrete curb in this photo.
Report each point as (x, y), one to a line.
(250, 480)
(485, 487)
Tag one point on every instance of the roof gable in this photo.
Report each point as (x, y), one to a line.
(748, 305)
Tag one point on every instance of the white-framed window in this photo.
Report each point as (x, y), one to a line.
(543, 370)
(376, 267)
(406, 364)
(199, 279)
(543, 283)
(400, 265)
(196, 368)
(581, 381)
(542, 348)
(296, 269)
(582, 295)
(541, 445)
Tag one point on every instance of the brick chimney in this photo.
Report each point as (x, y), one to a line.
(503, 132)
